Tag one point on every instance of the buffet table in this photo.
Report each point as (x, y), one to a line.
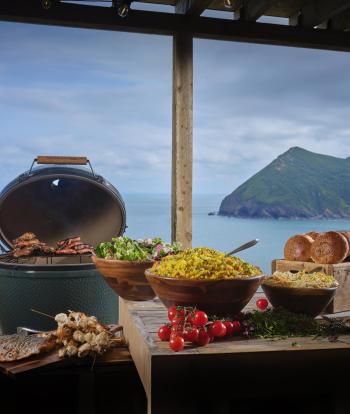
(302, 371)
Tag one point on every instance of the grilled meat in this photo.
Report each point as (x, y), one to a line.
(74, 245)
(16, 347)
(66, 242)
(65, 251)
(24, 237)
(22, 252)
(28, 243)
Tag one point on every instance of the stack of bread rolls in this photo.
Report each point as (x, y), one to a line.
(324, 248)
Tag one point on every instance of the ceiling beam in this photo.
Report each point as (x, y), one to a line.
(318, 12)
(103, 18)
(192, 7)
(252, 10)
(340, 21)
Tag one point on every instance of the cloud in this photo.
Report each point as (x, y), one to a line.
(108, 96)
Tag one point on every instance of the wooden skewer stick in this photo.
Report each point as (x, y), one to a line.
(42, 313)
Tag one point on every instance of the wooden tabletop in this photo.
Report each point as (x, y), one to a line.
(157, 363)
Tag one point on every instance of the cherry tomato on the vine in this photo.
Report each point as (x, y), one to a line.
(200, 318)
(203, 337)
(229, 328)
(236, 327)
(262, 304)
(191, 334)
(164, 333)
(177, 343)
(217, 329)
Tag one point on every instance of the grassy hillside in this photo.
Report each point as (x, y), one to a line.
(297, 184)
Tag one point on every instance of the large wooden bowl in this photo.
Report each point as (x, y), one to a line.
(307, 301)
(126, 278)
(219, 297)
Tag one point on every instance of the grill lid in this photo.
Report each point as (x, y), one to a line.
(58, 201)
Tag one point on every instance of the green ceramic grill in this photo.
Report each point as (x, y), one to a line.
(56, 201)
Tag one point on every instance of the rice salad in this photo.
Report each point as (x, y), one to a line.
(302, 279)
(204, 263)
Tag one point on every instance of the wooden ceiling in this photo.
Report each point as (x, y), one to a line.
(321, 24)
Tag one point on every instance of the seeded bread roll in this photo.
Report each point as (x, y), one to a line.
(330, 248)
(347, 236)
(298, 248)
(313, 234)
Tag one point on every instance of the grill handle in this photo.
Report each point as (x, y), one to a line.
(53, 159)
(61, 160)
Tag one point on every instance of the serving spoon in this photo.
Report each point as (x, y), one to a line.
(244, 246)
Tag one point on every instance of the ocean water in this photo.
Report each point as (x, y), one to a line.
(148, 215)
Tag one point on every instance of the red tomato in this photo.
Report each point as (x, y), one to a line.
(200, 318)
(217, 329)
(177, 330)
(191, 334)
(177, 321)
(177, 343)
(203, 337)
(262, 304)
(164, 333)
(172, 313)
(236, 326)
(229, 328)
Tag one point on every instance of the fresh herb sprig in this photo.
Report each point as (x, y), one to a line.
(281, 324)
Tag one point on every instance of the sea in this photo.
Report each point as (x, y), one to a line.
(149, 215)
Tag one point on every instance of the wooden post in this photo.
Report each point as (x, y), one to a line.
(181, 212)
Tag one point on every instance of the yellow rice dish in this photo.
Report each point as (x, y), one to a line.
(301, 279)
(204, 263)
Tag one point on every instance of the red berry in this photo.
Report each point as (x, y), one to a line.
(229, 328)
(191, 334)
(236, 327)
(203, 337)
(262, 304)
(200, 318)
(217, 329)
(177, 343)
(177, 330)
(164, 333)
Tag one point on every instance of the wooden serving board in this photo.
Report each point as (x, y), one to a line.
(113, 357)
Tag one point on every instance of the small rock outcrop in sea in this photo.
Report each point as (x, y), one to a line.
(298, 184)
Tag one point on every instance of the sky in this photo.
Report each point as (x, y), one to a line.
(107, 96)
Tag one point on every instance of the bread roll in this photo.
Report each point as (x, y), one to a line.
(330, 248)
(313, 234)
(298, 248)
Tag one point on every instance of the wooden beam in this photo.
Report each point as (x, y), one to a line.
(340, 21)
(103, 18)
(181, 216)
(192, 7)
(318, 12)
(252, 10)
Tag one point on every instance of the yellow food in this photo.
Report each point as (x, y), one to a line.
(204, 263)
(301, 279)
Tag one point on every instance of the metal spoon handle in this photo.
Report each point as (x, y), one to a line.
(243, 247)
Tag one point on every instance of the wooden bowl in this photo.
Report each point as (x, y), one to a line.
(307, 301)
(126, 278)
(219, 297)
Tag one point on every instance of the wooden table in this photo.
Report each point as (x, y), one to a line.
(230, 373)
(45, 385)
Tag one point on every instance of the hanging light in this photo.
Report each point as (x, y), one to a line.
(47, 4)
(122, 6)
(228, 4)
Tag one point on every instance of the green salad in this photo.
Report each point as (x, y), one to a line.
(125, 248)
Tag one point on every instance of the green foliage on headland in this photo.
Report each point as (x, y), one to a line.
(298, 184)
